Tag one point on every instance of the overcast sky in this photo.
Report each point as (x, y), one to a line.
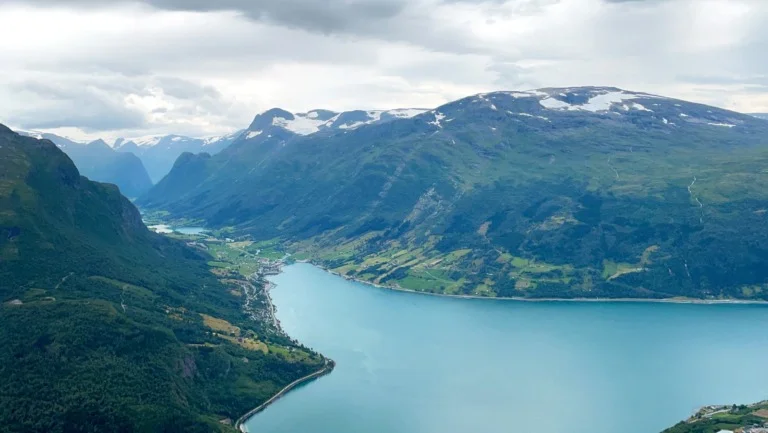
(109, 68)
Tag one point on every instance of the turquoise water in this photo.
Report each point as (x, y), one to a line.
(421, 364)
(190, 230)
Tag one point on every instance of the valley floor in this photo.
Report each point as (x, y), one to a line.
(255, 261)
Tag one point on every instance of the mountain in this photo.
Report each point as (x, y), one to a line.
(761, 115)
(323, 120)
(272, 129)
(106, 326)
(559, 192)
(98, 161)
(158, 153)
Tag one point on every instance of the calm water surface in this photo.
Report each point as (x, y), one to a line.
(190, 230)
(420, 364)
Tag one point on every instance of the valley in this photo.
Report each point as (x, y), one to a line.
(589, 193)
(585, 199)
(383, 216)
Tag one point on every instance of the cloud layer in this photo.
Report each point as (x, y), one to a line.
(110, 68)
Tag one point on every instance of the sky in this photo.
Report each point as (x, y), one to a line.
(111, 68)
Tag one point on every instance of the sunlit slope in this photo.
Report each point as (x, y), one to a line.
(593, 192)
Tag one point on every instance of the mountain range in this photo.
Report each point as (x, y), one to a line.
(557, 192)
(158, 153)
(107, 326)
(117, 163)
(98, 161)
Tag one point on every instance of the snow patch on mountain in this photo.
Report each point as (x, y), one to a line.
(405, 113)
(148, 140)
(529, 115)
(33, 134)
(252, 134)
(375, 115)
(207, 141)
(640, 107)
(438, 117)
(521, 94)
(599, 101)
(301, 123)
(605, 101)
(555, 104)
(353, 125)
(321, 120)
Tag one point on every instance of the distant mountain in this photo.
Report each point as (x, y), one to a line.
(558, 192)
(323, 120)
(158, 153)
(98, 161)
(761, 115)
(104, 325)
(272, 129)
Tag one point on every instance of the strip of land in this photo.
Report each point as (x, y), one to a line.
(522, 299)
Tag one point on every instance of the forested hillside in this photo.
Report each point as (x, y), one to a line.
(99, 162)
(577, 192)
(106, 326)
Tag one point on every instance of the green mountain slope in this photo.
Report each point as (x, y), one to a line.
(580, 192)
(99, 162)
(158, 153)
(106, 326)
(718, 418)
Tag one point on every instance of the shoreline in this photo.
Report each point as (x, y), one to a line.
(522, 299)
(327, 368)
(330, 364)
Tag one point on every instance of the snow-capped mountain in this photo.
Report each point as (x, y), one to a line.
(100, 162)
(580, 176)
(59, 141)
(558, 107)
(315, 121)
(159, 152)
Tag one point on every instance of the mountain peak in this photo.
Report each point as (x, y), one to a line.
(99, 143)
(556, 105)
(317, 120)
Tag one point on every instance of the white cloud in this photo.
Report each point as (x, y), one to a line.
(106, 69)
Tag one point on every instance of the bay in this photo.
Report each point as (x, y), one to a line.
(423, 364)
